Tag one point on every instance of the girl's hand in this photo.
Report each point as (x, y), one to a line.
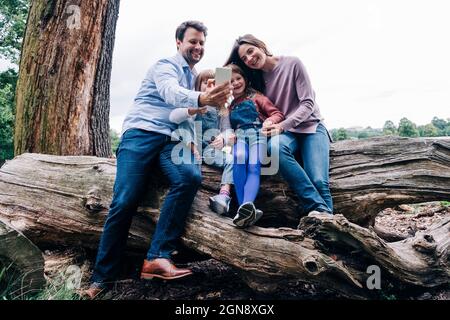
(217, 143)
(272, 130)
(210, 83)
(200, 110)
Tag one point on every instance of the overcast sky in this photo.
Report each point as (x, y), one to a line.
(369, 61)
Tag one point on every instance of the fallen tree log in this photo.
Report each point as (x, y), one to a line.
(63, 201)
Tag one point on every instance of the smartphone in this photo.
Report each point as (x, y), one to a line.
(222, 75)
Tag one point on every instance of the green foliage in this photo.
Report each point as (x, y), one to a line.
(13, 17)
(340, 134)
(428, 130)
(115, 140)
(407, 128)
(363, 135)
(7, 113)
(436, 128)
(440, 124)
(389, 128)
(447, 130)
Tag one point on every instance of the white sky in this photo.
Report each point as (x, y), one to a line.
(369, 61)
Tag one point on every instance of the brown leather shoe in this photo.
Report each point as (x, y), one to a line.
(91, 293)
(164, 269)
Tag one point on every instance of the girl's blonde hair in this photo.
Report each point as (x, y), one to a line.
(202, 76)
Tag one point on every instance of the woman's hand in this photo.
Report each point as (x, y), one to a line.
(272, 130)
(267, 123)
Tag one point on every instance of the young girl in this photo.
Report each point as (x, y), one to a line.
(214, 134)
(249, 113)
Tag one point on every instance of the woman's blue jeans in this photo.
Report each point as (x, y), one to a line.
(310, 182)
(137, 150)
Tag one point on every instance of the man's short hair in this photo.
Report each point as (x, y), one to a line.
(197, 25)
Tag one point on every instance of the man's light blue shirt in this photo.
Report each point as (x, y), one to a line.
(168, 85)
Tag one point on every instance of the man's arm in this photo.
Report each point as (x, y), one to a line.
(166, 80)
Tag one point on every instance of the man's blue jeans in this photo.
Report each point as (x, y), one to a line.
(137, 150)
(310, 182)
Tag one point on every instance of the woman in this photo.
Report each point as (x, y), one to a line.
(285, 82)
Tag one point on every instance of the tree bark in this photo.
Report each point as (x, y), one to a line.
(63, 201)
(62, 94)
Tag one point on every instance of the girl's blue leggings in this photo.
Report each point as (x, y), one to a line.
(247, 170)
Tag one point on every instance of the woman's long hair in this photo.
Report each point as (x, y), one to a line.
(255, 77)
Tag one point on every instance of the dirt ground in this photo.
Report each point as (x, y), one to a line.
(217, 281)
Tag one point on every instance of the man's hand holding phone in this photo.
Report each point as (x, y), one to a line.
(219, 94)
(216, 96)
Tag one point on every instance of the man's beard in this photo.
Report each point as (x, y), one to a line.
(189, 57)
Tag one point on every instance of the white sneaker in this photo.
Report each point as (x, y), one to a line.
(258, 216)
(220, 203)
(315, 213)
(245, 213)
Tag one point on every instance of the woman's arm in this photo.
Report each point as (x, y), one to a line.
(305, 96)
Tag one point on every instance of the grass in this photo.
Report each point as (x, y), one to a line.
(10, 288)
(445, 203)
(54, 292)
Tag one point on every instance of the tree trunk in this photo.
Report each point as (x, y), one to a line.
(63, 201)
(62, 93)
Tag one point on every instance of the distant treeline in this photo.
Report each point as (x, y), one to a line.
(406, 128)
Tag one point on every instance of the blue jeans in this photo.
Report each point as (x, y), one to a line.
(137, 150)
(310, 182)
(220, 159)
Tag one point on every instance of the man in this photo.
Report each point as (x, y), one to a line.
(146, 137)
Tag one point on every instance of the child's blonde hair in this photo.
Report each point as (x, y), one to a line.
(202, 76)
